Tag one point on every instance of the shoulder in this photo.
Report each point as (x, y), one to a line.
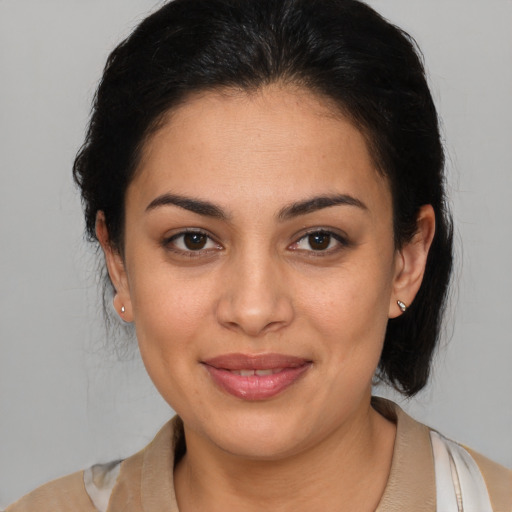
(446, 472)
(62, 495)
(498, 480)
(84, 491)
(477, 479)
(113, 486)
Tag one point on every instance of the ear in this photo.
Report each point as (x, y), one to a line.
(116, 270)
(410, 261)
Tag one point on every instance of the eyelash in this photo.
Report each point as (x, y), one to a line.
(341, 242)
(169, 243)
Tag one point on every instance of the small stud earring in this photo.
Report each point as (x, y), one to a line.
(402, 306)
(122, 309)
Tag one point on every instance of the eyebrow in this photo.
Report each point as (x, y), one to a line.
(319, 203)
(290, 211)
(194, 205)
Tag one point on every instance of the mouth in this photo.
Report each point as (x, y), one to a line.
(257, 377)
(259, 373)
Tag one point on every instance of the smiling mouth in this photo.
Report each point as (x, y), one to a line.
(258, 377)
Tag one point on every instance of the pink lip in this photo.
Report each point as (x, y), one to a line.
(284, 370)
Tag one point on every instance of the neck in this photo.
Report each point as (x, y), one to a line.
(346, 471)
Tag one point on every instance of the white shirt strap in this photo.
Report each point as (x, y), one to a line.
(99, 481)
(460, 485)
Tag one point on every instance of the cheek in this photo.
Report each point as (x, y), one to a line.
(349, 309)
(169, 319)
(169, 312)
(168, 301)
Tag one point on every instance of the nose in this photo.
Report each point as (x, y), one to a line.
(255, 299)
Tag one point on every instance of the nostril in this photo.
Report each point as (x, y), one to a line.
(254, 321)
(254, 298)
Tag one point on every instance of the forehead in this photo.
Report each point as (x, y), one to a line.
(246, 146)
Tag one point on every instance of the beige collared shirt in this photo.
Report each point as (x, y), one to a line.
(144, 482)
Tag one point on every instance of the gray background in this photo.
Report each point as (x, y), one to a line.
(66, 401)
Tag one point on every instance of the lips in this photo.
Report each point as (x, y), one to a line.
(257, 377)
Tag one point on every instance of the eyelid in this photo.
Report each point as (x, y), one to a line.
(340, 237)
(167, 242)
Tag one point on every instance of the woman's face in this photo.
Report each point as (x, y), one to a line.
(259, 269)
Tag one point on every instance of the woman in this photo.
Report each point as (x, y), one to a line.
(266, 182)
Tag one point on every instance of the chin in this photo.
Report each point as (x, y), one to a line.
(258, 436)
(259, 447)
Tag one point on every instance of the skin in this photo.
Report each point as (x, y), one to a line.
(260, 286)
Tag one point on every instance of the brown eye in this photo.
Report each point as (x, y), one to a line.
(195, 241)
(319, 241)
(191, 243)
